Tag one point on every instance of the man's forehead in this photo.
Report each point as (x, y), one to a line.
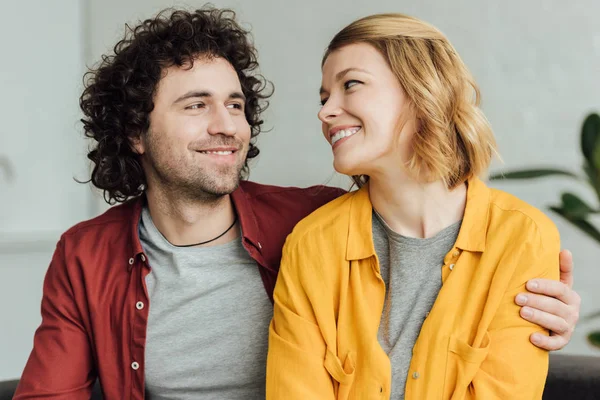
(215, 75)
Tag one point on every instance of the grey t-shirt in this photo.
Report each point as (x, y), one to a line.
(208, 321)
(412, 271)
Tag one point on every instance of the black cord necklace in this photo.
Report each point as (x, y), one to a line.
(208, 241)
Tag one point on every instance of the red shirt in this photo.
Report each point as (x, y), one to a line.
(95, 304)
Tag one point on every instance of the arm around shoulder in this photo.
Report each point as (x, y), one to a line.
(514, 366)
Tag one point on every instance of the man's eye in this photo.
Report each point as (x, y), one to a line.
(195, 106)
(236, 106)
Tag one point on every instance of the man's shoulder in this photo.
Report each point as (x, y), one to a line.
(312, 197)
(327, 220)
(118, 217)
(275, 210)
(257, 190)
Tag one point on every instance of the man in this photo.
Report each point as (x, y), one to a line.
(160, 296)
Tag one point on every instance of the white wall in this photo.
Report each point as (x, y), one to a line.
(41, 64)
(537, 63)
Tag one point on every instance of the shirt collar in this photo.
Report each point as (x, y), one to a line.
(360, 232)
(471, 237)
(246, 216)
(241, 203)
(136, 245)
(473, 230)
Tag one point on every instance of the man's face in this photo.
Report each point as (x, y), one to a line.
(199, 136)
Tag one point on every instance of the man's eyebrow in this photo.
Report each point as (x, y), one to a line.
(205, 93)
(237, 95)
(192, 94)
(343, 73)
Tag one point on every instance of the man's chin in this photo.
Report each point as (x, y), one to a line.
(223, 186)
(222, 190)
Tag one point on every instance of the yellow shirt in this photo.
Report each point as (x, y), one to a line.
(473, 345)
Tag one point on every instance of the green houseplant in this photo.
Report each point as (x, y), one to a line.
(572, 208)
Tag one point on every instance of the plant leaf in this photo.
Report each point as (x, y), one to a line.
(590, 132)
(532, 173)
(582, 224)
(575, 207)
(594, 339)
(591, 175)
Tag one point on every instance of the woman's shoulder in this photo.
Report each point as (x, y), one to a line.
(328, 221)
(511, 214)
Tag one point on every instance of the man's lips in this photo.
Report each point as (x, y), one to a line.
(223, 151)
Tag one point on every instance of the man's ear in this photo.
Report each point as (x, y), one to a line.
(137, 145)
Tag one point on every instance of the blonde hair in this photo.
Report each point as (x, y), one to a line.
(454, 140)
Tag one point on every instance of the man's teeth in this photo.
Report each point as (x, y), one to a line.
(221, 153)
(339, 135)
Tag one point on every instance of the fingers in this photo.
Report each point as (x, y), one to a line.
(566, 267)
(550, 343)
(552, 305)
(555, 289)
(554, 323)
(546, 304)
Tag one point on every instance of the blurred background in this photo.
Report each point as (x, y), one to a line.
(537, 63)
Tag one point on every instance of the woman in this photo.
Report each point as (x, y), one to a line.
(405, 287)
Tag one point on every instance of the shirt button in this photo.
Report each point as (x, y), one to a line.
(135, 366)
(139, 305)
(131, 260)
(143, 257)
(259, 245)
(451, 267)
(456, 253)
(415, 375)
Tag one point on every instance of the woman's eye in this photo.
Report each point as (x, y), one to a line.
(323, 101)
(351, 83)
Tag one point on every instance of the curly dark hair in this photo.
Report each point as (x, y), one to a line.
(119, 93)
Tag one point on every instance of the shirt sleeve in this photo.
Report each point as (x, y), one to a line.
(297, 350)
(513, 366)
(60, 365)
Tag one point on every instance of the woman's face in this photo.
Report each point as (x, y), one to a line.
(365, 113)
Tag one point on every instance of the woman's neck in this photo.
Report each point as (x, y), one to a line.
(416, 209)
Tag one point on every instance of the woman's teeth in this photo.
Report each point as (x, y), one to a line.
(339, 135)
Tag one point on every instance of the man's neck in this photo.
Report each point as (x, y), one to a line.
(185, 221)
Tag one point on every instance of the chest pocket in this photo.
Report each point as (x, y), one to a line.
(463, 363)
